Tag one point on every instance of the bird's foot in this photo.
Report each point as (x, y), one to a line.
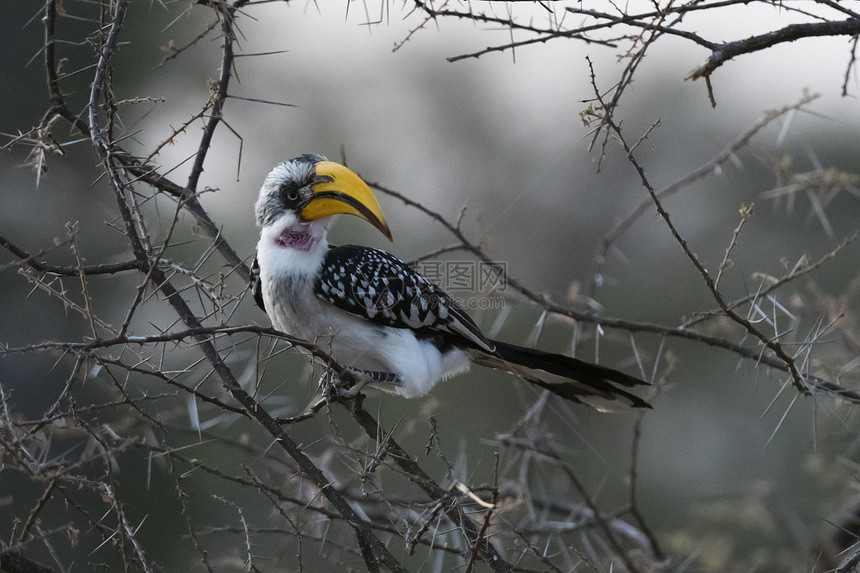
(375, 376)
(361, 378)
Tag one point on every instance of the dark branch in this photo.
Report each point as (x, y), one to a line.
(722, 53)
(31, 261)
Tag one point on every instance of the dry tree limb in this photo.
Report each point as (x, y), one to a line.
(704, 170)
(815, 384)
(373, 550)
(799, 381)
(722, 53)
(160, 276)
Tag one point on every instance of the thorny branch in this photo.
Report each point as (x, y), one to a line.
(773, 345)
(123, 172)
(625, 29)
(295, 477)
(373, 550)
(728, 154)
(813, 383)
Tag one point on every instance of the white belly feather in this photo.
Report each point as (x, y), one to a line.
(287, 281)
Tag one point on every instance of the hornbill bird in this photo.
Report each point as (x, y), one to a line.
(372, 312)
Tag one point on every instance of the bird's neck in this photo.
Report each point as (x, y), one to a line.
(299, 239)
(290, 251)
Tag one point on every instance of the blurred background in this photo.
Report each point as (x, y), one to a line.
(735, 471)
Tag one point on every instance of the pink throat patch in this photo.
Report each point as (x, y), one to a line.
(295, 240)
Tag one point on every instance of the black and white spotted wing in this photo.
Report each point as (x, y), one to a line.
(383, 289)
(257, 284)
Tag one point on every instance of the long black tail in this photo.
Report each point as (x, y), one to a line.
(568, 377)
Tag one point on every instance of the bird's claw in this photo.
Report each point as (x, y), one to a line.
(375, 376)
(361, 378)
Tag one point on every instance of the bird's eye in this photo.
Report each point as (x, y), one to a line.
(289, 193)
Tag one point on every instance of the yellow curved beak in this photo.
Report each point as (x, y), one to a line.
(337, 190)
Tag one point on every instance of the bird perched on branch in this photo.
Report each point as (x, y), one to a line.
(372, 312)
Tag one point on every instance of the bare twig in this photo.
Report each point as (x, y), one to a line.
(799, 381)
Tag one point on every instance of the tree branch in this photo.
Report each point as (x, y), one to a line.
(721, 53)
